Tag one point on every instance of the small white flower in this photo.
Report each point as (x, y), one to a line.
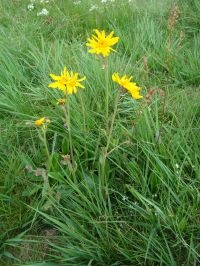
(124, 198)
(43, 12)
(44, 1)
(121, 225)
(30, 7)
(77, 2)
(93, 7)
(177, 165)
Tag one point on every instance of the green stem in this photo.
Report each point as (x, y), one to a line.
(68, 120)
(105, 153)
(107, 92)
(66, 110)
(46, 186)
(112, 122)
(84, 125)
(44, 140)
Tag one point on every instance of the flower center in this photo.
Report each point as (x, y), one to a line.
(102, 44)
(63, 80)
(71, 82)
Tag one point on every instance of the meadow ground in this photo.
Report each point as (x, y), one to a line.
(118, 181)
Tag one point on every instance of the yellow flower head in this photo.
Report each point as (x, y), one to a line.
(101, 44)
(42, 122)
(66, 82)
(126, 83)
(61, 101)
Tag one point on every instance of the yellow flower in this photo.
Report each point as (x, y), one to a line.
(66, 82)
(61, 101)
(42, 121)
(126, 83)
(101, 44)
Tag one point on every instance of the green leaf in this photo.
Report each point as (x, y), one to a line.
(10, 255)
(28, 192)
(65, 146)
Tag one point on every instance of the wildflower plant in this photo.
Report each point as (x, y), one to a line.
(67, 82)
(101, 44)
(114, 185)
(42, 124)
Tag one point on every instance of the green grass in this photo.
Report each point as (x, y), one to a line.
(139, 205)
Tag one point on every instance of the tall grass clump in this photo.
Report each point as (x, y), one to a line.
(100, 139)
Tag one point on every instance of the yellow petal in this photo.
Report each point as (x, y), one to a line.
(54, 77)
